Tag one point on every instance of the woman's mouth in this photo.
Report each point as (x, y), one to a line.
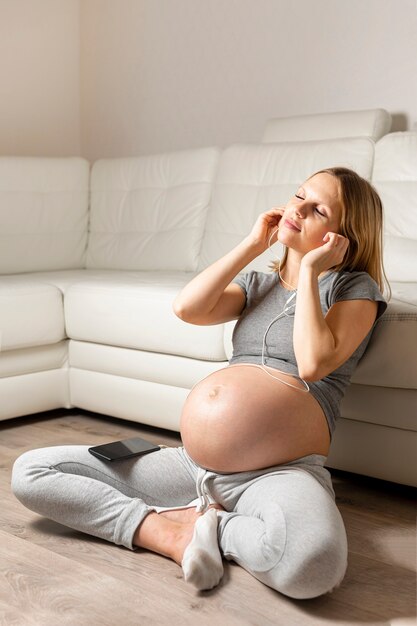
(291, 225)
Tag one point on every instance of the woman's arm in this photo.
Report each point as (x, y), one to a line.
(210, 298)
(322, 344)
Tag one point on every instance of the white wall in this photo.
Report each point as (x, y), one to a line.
(169, 74)
(128, 77)
(40, 77)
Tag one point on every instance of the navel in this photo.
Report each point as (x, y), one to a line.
(214, 391)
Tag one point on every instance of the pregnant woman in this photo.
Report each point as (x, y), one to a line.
(249, 483)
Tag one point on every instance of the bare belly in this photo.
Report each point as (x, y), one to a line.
(239, 419)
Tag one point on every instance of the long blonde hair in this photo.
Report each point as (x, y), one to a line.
(361, 222)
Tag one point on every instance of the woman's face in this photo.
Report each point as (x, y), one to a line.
(313, 211)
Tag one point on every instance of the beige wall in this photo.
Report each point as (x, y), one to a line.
(127, 77)
(39, 77)
(165, 74)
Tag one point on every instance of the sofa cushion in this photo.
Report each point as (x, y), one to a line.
(148, 213)
(31, 360)
(253, 178)
(395, 177)
(372, 123)
(31, 314)
(393, 341)
(137, 313)
(43, 213)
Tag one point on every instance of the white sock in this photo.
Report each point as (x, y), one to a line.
(202, 562)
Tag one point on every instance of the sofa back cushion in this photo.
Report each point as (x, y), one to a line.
(148, 213)
(395, 178)
(372, 123)
(253, 178)
(43, 213)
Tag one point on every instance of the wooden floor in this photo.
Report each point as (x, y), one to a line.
(51, 575)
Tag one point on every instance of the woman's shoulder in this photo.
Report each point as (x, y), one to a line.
(356, 279)
(356, 285)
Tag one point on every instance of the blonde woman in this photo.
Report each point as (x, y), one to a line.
(249, 483)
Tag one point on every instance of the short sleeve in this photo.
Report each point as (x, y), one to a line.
(243, 280)
(357, 286)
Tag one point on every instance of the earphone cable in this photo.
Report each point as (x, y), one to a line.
(275, 259)
(278, 317)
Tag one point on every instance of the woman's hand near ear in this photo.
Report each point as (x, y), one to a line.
(264, 227)
(210, 297)
(328, 255)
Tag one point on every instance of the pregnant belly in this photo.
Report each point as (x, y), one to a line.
(239, 419)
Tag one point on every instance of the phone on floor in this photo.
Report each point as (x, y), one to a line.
(124, 449)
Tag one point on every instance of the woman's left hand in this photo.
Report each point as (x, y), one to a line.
(328, 255)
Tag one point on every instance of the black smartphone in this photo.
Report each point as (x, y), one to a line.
(125, 449)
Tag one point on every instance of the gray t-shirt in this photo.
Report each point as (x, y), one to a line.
(266, 298)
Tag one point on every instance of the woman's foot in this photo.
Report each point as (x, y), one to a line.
(192, 543)
(202, 561)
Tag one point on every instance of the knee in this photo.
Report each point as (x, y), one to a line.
(24, 469)
(320, 571)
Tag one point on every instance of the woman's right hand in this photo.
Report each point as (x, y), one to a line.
(211, 297)
(264, 227)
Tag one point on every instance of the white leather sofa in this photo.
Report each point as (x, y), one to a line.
(90, 262)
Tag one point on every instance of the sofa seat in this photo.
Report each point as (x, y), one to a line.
(33, 347)
(32, 360)
(135, 311)
(31, 314)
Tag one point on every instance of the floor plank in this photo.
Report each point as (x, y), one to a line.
(52, 575)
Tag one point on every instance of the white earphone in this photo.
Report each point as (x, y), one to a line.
(283, 312)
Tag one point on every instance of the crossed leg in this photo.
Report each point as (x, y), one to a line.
(287, 531)
(118, 502)
(108, 500)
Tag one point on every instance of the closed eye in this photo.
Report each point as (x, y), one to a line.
(315, 208)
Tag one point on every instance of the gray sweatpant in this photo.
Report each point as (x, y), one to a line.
(281, 524)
